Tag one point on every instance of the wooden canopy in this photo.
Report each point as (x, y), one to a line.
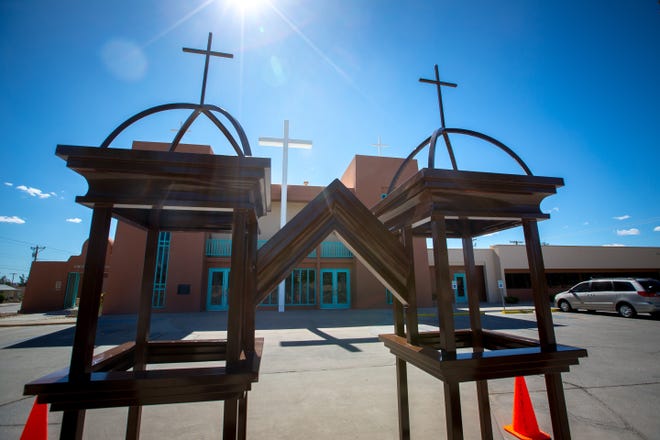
(187, 191)
(490, 202)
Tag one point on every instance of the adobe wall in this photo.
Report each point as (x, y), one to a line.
(185, 291)
(46, 287)
(122, 287)
(372, 176)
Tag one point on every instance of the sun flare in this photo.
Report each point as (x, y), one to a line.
(248, 6)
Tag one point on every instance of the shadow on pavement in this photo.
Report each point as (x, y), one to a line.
(117, 329)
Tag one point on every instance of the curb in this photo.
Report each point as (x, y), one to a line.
(511, 311)
(9, 322)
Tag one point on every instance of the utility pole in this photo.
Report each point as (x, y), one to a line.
(35, 251)
(13, 274)
(516, 242)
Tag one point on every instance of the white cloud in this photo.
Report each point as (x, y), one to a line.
(622, 217)
(614, 245)
(555, 209)
(585, 224)
(9, 184)
(656, 229)
(631, 231)
(34, 192)
(74, 220)
(12, 219)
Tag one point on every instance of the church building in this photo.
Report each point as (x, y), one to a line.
(192, 272)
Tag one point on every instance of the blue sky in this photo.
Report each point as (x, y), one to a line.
(571, 86)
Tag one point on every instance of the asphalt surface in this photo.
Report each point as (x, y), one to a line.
(325, 375)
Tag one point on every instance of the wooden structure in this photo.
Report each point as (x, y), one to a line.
(163, 191)
(441, 204)
(172, 191)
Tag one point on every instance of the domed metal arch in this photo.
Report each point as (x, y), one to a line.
(241, 150)
(444, 132)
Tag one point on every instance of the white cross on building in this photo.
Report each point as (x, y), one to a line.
(285, 143)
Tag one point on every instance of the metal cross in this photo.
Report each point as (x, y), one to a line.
(208, 52)
(379, 146)
(438, 84)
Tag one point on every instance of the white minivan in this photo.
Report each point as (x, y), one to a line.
(627, 296)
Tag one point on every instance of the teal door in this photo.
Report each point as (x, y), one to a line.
(72, 282)
(460, 290)
(216, 297)
(335, 289)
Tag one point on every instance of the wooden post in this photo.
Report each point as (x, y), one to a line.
(453, 410)
(539, 285)
(445, 295)
(249, 308)
(88, 315)
(236, 307)
(475, 325)
(143, 325)
(401, 366)
(554, 386)
(412, 324)
(402, 394)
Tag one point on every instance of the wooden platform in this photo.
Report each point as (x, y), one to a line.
(504, 356)
(113, 383)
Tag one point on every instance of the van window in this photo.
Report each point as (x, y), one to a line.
(601, 286)
(582, 287)
(650, 285)
(623, 286)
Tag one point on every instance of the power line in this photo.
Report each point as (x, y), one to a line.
(50, 248)
(15, 241)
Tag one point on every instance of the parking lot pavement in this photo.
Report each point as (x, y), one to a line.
(324, 375)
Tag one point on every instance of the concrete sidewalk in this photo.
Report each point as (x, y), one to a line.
(10, 316)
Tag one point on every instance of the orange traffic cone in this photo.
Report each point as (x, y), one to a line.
(36, 427)
(524, 424)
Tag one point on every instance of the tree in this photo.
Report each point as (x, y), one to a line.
(22, 280)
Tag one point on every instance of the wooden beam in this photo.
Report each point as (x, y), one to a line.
(334, 209)
(88, 314)
(143, 325)
(539, 284)
(444, 292)
(412, 322)
(475, 325)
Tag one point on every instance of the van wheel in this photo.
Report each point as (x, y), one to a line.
(564, 306)
(626, 310)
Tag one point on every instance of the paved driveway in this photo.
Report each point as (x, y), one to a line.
(324, 375)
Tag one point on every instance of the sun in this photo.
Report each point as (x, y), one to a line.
(248, 6)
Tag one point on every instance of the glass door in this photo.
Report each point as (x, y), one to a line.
(335, 289)
(218, 289)
(72, 282)
(460, 293)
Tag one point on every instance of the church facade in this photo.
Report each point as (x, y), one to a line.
(192, 273)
